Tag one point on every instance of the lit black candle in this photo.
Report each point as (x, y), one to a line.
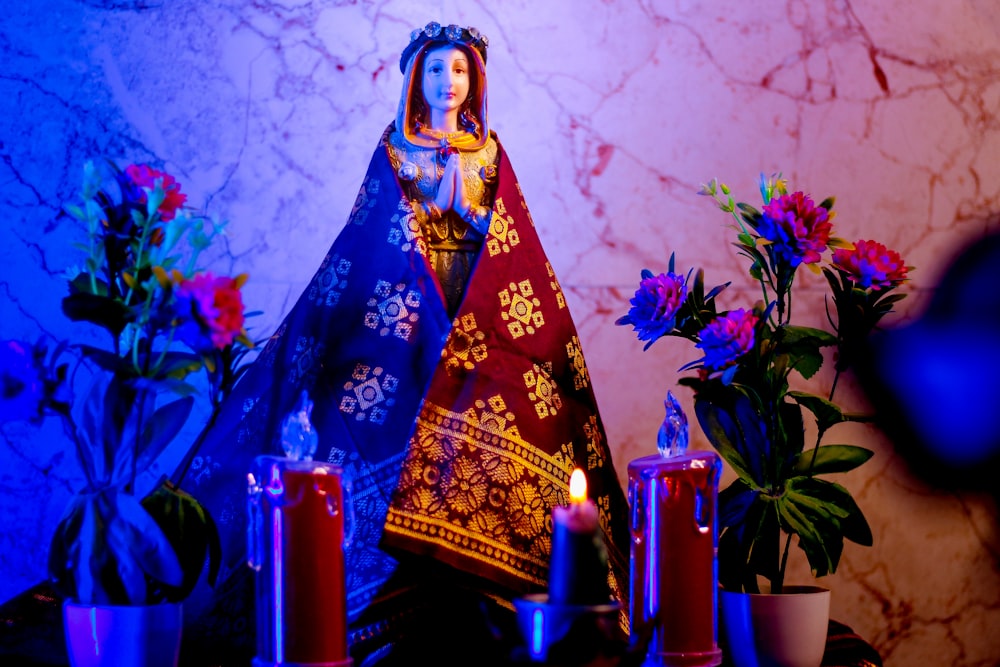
(578, 569)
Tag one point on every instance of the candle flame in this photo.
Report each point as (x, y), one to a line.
(577, 487)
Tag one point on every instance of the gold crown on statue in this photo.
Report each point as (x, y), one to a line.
(435, 32)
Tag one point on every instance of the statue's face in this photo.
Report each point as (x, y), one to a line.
(446, 78)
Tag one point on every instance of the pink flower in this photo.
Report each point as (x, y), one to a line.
(870, 264)
(727, 338)
(797, 229)
(210, 310)
(145, 176)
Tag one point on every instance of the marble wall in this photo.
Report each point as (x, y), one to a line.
(613, 114)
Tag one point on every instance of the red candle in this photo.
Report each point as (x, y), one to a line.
(578, 568)
(301, 599)
(674, 576)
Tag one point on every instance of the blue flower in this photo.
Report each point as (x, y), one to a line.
(727, 338)
(655, 305)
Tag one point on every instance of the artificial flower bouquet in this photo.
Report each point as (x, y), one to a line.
(742, 396)
(175, 332)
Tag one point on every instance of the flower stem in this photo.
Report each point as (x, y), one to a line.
(182, 469)
(779, 583)
(833, 387)
(819, 436)
(130, 486)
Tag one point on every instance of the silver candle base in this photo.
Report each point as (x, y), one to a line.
(543, 624)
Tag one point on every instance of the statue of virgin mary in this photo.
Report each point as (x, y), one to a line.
(448, 382)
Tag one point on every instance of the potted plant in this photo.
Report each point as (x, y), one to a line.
(174, 333)
(743, 397)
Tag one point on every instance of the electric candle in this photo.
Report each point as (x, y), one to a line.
(297, 535)
(298, 520)
(673, 498)
(578, 569)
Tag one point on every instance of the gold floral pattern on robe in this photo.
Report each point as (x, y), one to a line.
(508, 415)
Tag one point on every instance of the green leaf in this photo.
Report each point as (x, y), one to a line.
(161, 429)
(63, 544)
(792, 429)
(802, 347)
(88, 435)
(192, 532)
(720, 429)
(104, 548)
(813, 497)
(822, 514)
(831, 459)
(827, 413)
(736, 502)
(178, 387)
(748, 548)
(816, 529)
(765, 553)
(105, 360)
(103, 311)
(794, 335)
(89, 557)
(756, 257)
(854, 527)
(75, 211)
(733, 557)
(836, 281)
(81, 283)
(178, 365)
(100, 432)
(883, 304)
(147, 543)
(748, 210)
(126, 410)
(119, 536)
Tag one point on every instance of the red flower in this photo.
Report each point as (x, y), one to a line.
(798, 229)
(145, 176)
(210, 310)
(870, 264)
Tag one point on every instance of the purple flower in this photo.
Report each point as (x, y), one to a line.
(797, 229)
(21, 387)
(655, 305)
(727, 338)
(870, 264)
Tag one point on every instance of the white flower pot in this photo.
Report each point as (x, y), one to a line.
(123, 636)
(766, 630)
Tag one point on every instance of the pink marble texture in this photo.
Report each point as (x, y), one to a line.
(613, 114)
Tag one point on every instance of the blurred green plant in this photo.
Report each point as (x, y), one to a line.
(168, 322)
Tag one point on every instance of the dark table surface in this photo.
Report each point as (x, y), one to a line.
(31, 635)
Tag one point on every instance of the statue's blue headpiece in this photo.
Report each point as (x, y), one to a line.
(435, 32)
